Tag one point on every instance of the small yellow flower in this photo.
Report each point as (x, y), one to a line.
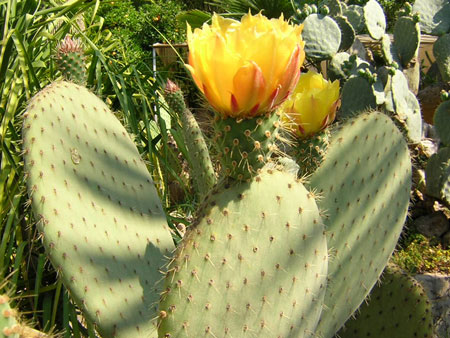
(312, 106)
(245, 68)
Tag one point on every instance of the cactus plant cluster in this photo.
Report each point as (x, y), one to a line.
(271, 253)
(366, 85)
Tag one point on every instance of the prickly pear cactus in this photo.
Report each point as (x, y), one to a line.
(364, 182)
(374, 19)
(310, 152)
(441, 50)
(322, 36)
(397, 307)
(245, 145)
(437, 175)
(100, 216)
(406, 39)
(357, 96)
(70, 60)
(434, 16)
(255, 265)
(202, 167)
(441, 122)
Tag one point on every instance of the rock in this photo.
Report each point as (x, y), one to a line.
(437, 287)
(432, 225)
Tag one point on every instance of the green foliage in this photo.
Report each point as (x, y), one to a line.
(420, 255)
(270, 8)
(139, 25)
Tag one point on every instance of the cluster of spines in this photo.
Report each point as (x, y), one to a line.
(246, 145)
(70, 60)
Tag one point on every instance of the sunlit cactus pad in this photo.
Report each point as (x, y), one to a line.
(254, 266)
(102, 222)
(397, 307)
(365, 182)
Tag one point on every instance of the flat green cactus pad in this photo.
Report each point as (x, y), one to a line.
(397, 307)
(355, 15)
(254, 266)
(99, 213)
(441, 51)
(406, 39)
(406, 106)
(388, 50)
(347, 32)
(374, 19)
(434, 16)
(441, 121)
(365, 181)
(357, 96)
(322, 36)
(438, 174)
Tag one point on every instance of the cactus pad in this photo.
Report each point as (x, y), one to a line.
(441, 51)
(202, 168)
(245, 145)
(374, 19)
(406, 107)
(70, 60)
(309, 152)
(406, 39)
(437, 175)
(322, 36)
(347, 33)
(398, 307)
(355, 15)
(357, 96)
(102, 222)
(365, 181)
(434, 16)
(250, 267)
(441, 122)
(388, 50)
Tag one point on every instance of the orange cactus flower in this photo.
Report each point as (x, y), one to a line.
(246, 68)
(312, 106)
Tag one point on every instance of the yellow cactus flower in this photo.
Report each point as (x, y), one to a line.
(312, 106)
(245, 68)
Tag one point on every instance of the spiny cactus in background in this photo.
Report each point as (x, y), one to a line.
(362, 86)
(202, 168)
(100, 215)
(70, 61)
(434, 16)
(396, 307)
